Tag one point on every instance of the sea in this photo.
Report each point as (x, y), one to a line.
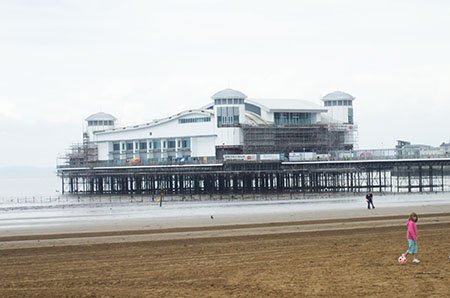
(29, 182)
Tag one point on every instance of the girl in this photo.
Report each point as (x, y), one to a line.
(412, 237)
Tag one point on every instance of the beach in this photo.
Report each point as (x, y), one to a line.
(237, 249)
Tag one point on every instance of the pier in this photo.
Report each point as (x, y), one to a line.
(397, 175)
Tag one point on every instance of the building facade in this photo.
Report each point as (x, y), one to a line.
(230, 124)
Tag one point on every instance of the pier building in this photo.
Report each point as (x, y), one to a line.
(231, 123)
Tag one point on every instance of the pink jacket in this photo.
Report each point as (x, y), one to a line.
(411, 234)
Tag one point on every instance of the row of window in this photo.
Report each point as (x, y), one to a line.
(227, 116)
(100, 122)
(151, 144)
(344, 102)
(293, 118)
(229, 101)
(194, 120)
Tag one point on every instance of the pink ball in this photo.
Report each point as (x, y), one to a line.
(402, 260)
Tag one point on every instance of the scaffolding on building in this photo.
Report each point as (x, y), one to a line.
(320, 138)
(81, 155)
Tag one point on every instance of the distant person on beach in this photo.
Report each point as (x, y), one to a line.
(369, 200)
(412, 236)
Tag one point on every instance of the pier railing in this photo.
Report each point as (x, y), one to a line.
(363, 155)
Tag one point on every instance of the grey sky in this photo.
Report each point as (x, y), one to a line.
(61, 61)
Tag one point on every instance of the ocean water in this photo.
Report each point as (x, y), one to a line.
(29, 183)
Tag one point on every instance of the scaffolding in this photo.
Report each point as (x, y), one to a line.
(81, 155)
(321, 138)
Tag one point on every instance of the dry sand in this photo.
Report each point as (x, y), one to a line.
(339, 256)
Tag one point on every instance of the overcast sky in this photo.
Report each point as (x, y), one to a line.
(61, 61)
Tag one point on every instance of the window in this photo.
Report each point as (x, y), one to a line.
(228, 101)
(252, 108)
(171, 144)
(186, 143)
(143, 145)
(194, 120)
(116, 147)
(227, 116)
(156, 144)
(293, 118)
(129, 146)
(339, 102)
(350, 115)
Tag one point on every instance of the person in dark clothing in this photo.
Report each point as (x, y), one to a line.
(369, 200)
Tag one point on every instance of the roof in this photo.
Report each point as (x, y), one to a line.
(253, 119)
(158, 121)
(101, 116)
(229, 93)
(338, 95)
(287, 105)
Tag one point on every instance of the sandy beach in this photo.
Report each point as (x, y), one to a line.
(344, 252)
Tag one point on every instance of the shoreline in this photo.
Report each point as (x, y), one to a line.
(139, 198)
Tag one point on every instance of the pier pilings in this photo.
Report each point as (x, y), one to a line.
(424, 175)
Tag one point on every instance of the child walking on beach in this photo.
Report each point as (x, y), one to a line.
(412, 237)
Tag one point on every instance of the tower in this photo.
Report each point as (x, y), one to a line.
(340, 106)
(229, 111)
(97, 122)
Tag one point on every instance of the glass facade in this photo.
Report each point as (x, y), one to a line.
(291, 119)
(227, 116)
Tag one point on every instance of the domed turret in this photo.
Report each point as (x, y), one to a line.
(340, 106)
(98, 121)
(229, 106)
(337, 95)
(229, 94)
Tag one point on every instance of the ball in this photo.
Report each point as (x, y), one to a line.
(402, 260)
